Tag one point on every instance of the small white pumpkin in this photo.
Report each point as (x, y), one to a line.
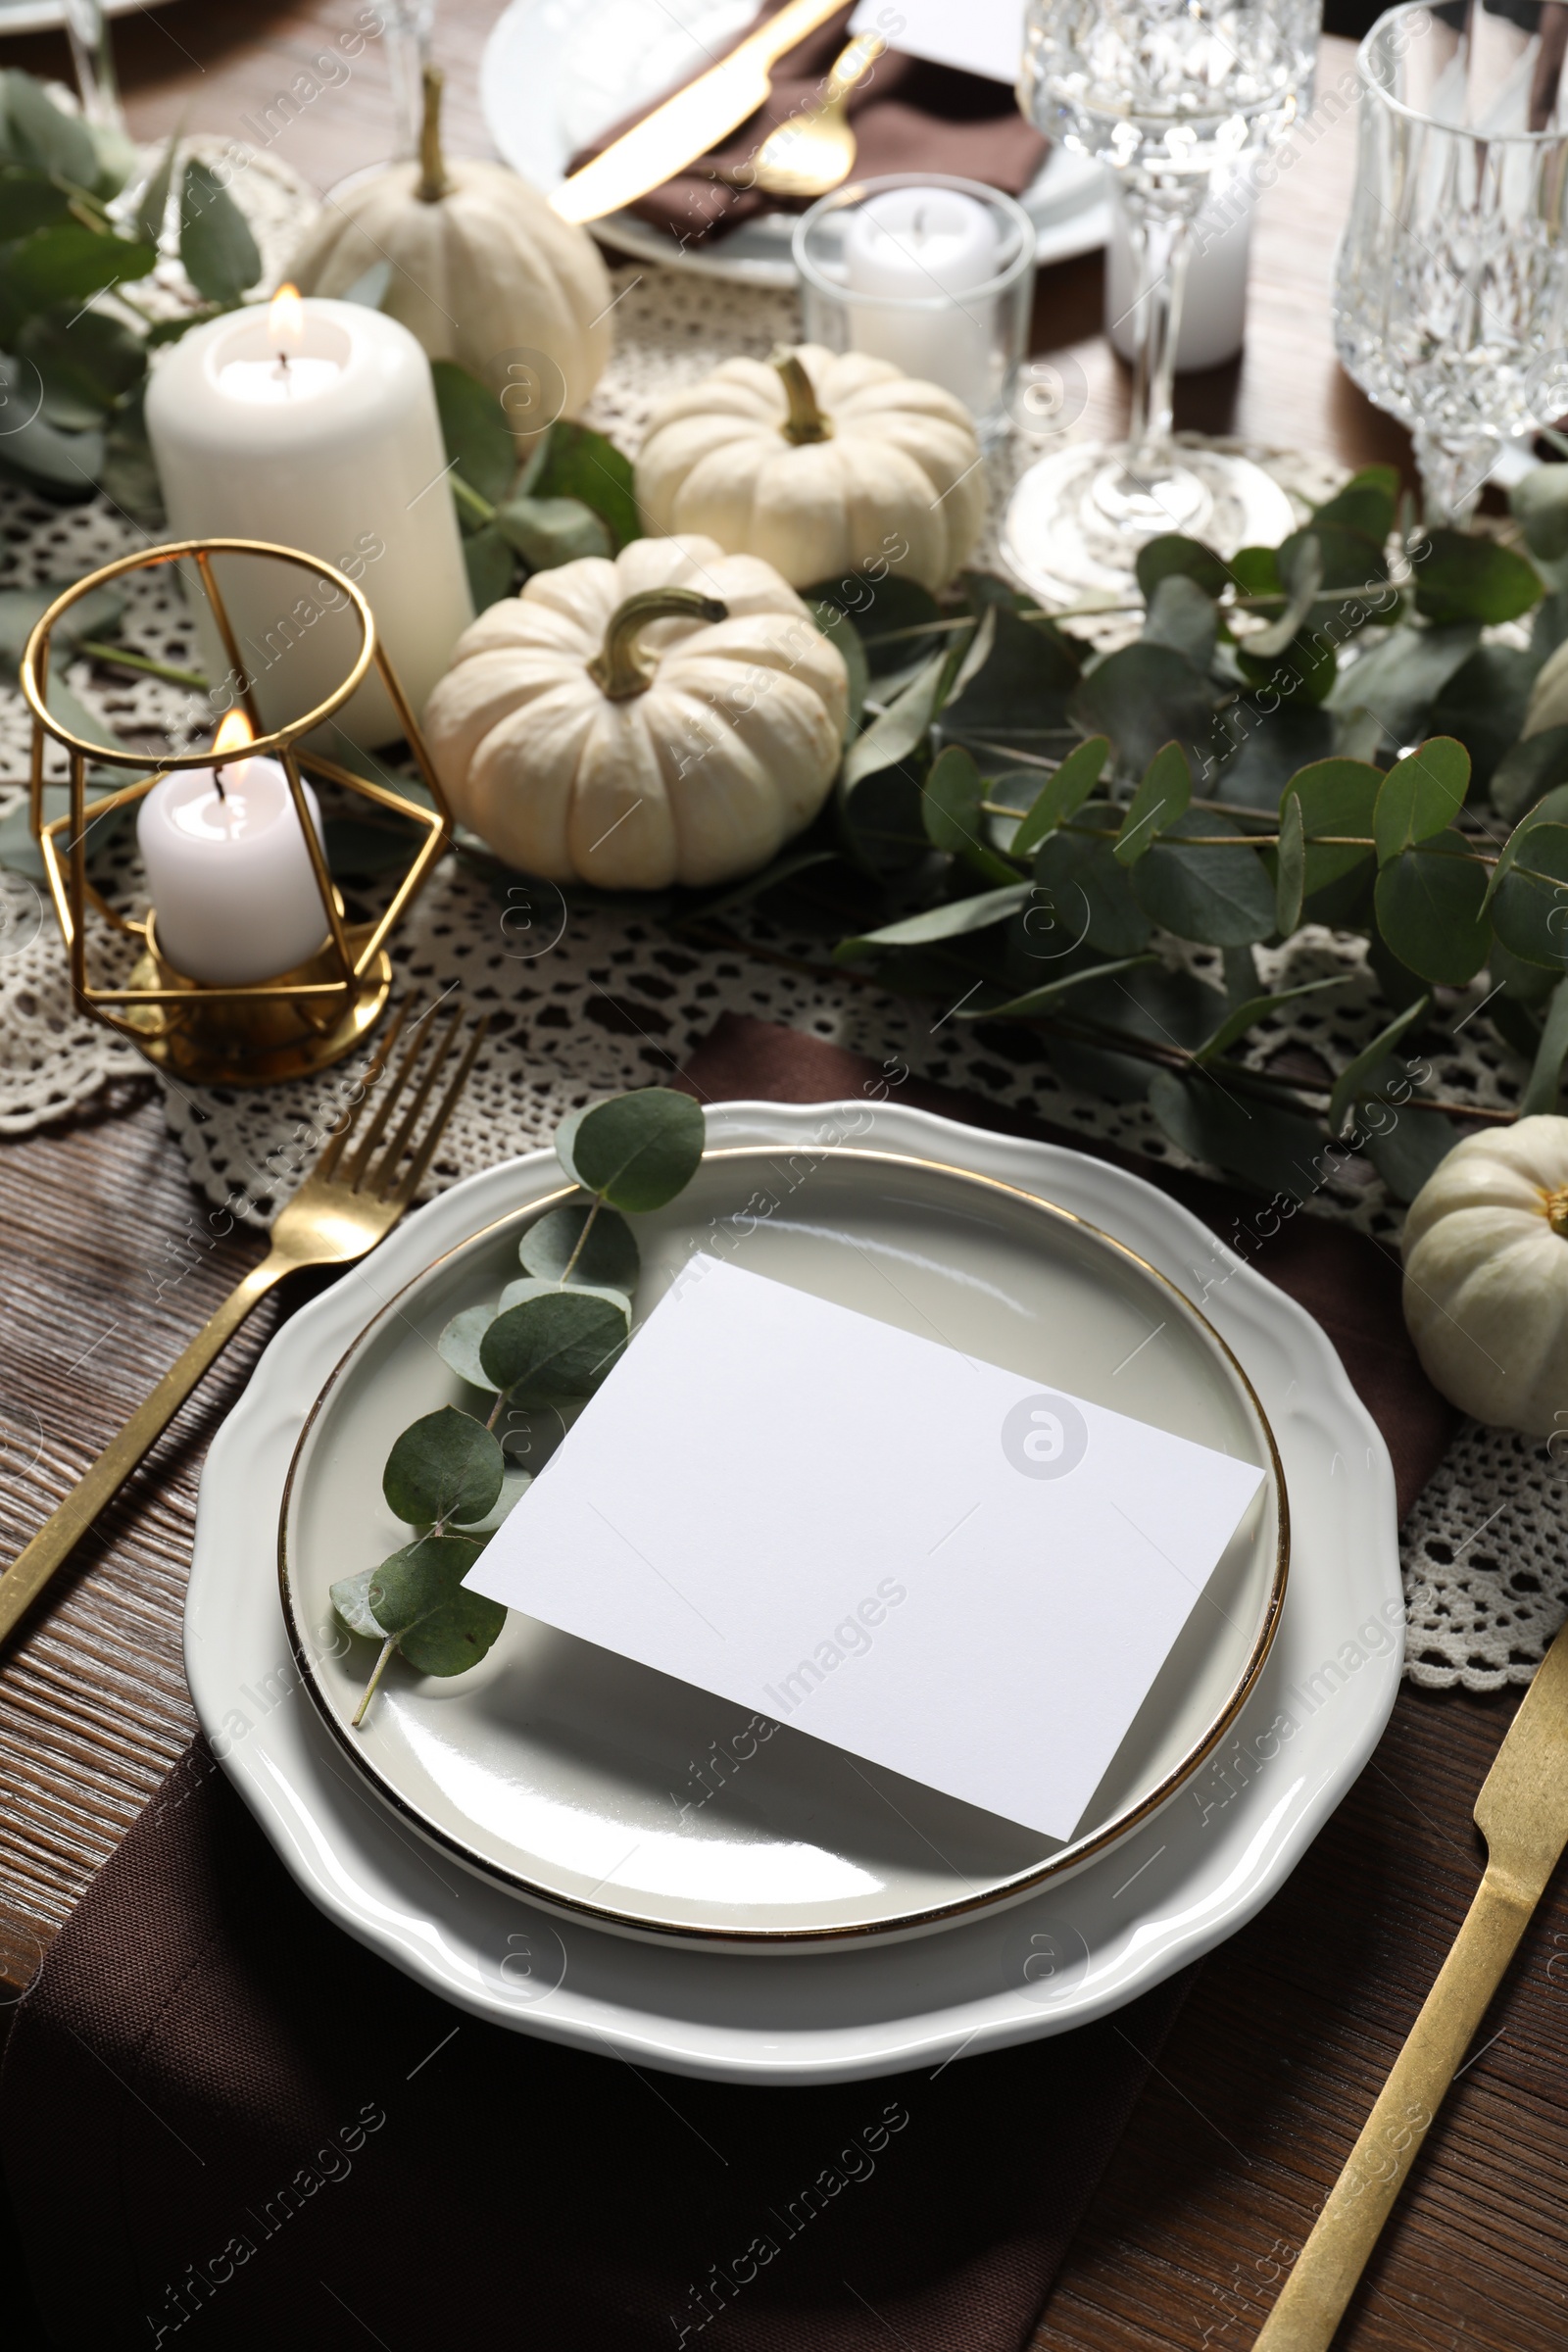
(483, 272)
(1486, 1276)
(671, 717)
(821, 462)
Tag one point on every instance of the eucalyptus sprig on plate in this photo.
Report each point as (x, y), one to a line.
(548, 1341)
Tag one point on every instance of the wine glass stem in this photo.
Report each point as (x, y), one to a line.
(1454, 473)
(1161, 247)
(408, 24)
(87, 30)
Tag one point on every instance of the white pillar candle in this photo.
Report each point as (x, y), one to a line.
(229, 874)
(313, 424)
(917, 244)
(1214, 304)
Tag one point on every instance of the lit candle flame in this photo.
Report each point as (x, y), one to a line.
(234, 731)
(285, 324)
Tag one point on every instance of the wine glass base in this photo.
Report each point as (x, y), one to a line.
(1077, 520)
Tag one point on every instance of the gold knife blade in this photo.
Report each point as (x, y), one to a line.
(686, 125)
(1522, 1812)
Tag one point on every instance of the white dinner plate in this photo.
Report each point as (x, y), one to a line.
(43, 16)
(576, 1777)
(1185, 1879)
(555, 73)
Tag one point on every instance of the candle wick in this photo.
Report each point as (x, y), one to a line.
(218, 779)
(919, 225)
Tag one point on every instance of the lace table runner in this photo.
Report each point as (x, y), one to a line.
(584, 1003)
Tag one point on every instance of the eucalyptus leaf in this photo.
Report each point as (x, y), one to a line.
(22, 609)
(474, 426)
(609, 1258)
(953, 919)
(1429, 902)
(1421, 795)
(1181, 615)
(1143, 697)
(1337, 799)
(1541, 501)
(637, 1151)
(1528, 770)
(459, 1343)
(446, 1465)
(561, 1344)
(1245, 1017)
(1290, 867)
(1411, 1148)
(1160, 799)
(1399, 680)
(418, 1598)
(1304, 577)
(351, 1598)
(1062, 795)
(886, 617)
(547, 531)
(1221, 896)
(217, 250)
(1360, 1076)
(1365, 504)
(1049, 996)
(951, 801)
(539, 1286)
(514, 1485)
(899, 729)
(43, 134)
(1021, 694)
(1462, 576)
(1272, 1149)
(152, 205)
(838, 627)
(1528, 899)
(1268, 741)
(85, 365)
(369, 288)
(1088, 895)
(491, 566)
(586, 465)
(29, 200)
(1483, 706)
(69, 263)
(1545, 1089)
(1549, 699)
(1172, 556)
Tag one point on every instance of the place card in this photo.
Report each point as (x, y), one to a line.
(933, 1564)
(984, 36)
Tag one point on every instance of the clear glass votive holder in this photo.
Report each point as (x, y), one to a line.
(964, 270)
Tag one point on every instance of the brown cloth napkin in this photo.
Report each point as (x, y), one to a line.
(225, 2122)
(909, 116)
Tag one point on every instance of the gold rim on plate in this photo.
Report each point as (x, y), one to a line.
(646, 1922)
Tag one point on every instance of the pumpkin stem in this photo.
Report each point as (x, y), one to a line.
(620, 669)
(805, 421)
(1557, 1212)
(433, 181)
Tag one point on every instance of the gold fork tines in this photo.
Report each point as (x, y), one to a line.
(333, 1219)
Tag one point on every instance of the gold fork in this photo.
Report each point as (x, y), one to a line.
(340, 1212)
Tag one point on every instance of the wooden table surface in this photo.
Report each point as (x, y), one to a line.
(109, 1265)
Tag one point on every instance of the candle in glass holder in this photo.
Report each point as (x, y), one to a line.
(229, 871)
(313, 424)
(929, 247)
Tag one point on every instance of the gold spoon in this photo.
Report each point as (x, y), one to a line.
(814, 150)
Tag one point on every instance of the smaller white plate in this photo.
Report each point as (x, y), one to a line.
(555, 74)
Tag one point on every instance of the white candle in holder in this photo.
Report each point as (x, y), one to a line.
(921, 246)
(229, 874)
(313, 424)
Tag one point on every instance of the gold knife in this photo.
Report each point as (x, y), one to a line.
(1522, 1812)
(686, 125)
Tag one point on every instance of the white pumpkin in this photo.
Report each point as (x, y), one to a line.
(483, 273)
(1486, 1276)
(821, 464)
(671, 717)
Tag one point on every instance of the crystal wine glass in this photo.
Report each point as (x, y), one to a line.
(1167, 94)
(1451, 297)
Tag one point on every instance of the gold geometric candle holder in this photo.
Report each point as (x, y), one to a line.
(255, 1034)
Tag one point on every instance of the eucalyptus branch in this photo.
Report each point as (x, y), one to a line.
(587, 1228)
(114, 657)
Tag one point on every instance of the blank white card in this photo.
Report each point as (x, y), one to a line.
(929, 1561)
